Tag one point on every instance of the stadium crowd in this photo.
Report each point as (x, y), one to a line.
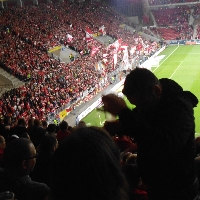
(50, 83)
(175, 22)
(50, 162)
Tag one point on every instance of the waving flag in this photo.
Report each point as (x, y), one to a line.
(117, 45)
(94, 50)
(102, 30)
(114, 60)
(69, 38)
(123, 46)
(89, 34)
(105, 58)
(125, 57)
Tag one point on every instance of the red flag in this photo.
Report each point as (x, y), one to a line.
(89, 34)
(117, 45)
(102, 30)
(69, 38)
(94, 50)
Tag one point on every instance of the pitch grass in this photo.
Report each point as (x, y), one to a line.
(180, 63)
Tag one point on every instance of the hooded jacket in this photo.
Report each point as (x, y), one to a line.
(165, 139)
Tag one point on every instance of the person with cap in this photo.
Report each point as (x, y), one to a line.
(162, 123)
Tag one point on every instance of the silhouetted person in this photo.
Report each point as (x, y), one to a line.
(37, 133)
(162, 124)
(42, 169)
(20, 158)
(86, 166)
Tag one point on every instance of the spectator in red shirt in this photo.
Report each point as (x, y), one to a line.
(63, 132)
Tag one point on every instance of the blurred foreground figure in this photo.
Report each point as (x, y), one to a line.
(162, 124)
(86, 166)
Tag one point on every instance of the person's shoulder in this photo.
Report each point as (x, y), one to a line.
(191, 97)
(38, 186)
(33, 189)
(39, 130)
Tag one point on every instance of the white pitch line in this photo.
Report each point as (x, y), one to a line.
(167, 57)
(175, 70)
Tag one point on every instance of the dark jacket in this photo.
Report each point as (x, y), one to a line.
(37, 133)
(18, 130)
(165, 139)
(23, 188)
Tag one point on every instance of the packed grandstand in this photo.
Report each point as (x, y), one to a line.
(106, 42)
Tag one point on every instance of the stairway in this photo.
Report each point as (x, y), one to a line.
(8, 81)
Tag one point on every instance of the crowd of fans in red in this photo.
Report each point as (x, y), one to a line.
(29, 32)
(174, 22)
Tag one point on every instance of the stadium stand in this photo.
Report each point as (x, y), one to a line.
(49, 83)
(173, 23)
(44, 85)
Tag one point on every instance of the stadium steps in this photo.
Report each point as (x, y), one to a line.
(12, 82)
(153, 19)
(3, 90)
(168, 33)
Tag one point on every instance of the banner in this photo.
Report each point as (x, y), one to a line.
(190, 42)
(183, 42)
(62, 114)
(114, 60)
(125, 57)
(55, 49)
(177, 41)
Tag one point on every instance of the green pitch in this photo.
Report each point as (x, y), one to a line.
(179, 63)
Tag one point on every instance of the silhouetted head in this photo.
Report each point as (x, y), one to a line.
(37, 122)
(51, 128)
(20, 156)
(63, 125)
(48, 145)
(142, 88)
(86, 166)
(21, 122)
(30, 122)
